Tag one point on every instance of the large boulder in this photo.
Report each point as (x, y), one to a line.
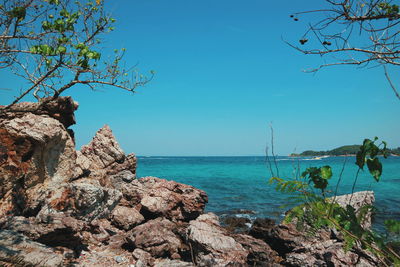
(34, 150)
(159, 197)
(260, 253)
(157, 237)
(126, 218)
(212, 245)
(81, 199)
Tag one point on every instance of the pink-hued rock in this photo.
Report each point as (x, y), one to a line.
(212, 244)
(157, 237)
(159, 197)
(103, 156)
(82, 200)
(126, 218)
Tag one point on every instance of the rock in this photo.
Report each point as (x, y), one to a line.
(260, 253)
(82, 200)
(300, 249)
(282, 238)
(17, 250)
(61, 109)
(104, 257)
(35, 148)
(157, 237)
(358, 200)
(172, 263)
(212, 245)
(159, 197)
(126, 218)
(103, 156)
(143, 258)
(236, 224)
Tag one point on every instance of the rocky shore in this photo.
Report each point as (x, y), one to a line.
(63, 207)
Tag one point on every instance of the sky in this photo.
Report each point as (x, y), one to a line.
(223, 75)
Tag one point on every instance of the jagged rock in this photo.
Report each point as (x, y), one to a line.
(104, 257)
(103, 156)
(86, 208)
(81, 200)
(143, 258)
(300, 249)
(159, 197)
(61, 109)
(35, 148)
(126, 218)
(211, 244)
(236, 224)
(17, 250)
(157, 237)
(260, 253)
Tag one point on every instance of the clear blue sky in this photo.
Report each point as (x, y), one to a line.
(223, 74)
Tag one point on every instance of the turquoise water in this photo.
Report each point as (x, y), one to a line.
(234, 183)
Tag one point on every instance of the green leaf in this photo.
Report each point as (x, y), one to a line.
(360, 158)
(375, 168)
(18, 12)
(61, 49)
(64, 13)
(326, 172)
(393, 226)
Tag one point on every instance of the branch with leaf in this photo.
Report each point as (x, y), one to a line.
(55, 45)
(353, 32)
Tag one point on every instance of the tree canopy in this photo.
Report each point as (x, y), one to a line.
(57, 44)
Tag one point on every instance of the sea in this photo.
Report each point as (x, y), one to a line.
(239, 186)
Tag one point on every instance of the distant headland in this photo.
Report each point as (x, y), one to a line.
(348, 150)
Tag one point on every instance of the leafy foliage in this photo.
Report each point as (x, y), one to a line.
(317, 211)
(56, 44)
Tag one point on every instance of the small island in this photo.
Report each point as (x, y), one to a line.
(348, 150)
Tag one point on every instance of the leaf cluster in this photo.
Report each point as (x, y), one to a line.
(316, 211)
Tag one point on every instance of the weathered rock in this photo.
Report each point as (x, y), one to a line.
(282, 238)
(211, 244)
(159, 197)
(103, 156)
(260, 253)
(157, 237)
(236, 224)
(61, 109)
(104, 257)
(143, 258)
(81, 200)
(126, 218)
(34, 149)
(17, 250)
(300, 249)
